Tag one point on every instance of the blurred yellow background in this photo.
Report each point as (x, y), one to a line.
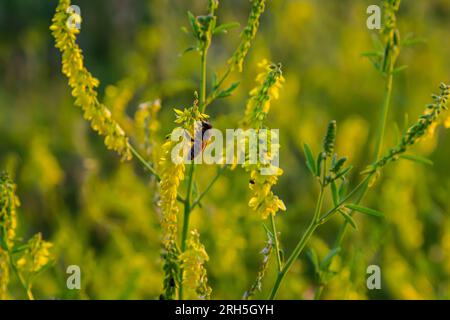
(101, 214)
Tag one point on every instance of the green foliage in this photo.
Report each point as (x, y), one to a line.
(112, 219)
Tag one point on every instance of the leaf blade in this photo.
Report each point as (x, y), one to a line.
(365, 210)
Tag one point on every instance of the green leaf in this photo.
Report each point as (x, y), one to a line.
(214, 81)
(343, 172)
(334, 193)
(343, 188)
(269, 233)
(227, 92)
(327, 260)
(369, 54)
(399, 69)
(410, 40)
(349, 219)
(194, 25)
(417, 159)
(223, 28)
(20, 248)
(312, 255)
(320, 158)
(184, 30)
(309, 159)
(365, 210)
(189, 50)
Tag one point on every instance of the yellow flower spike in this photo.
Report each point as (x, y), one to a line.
(84, 85)
(247, 35)
(194, 272)
(269, 83)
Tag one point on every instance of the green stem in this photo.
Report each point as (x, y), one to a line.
(377, 154)
(210, 185)
(330, 212)
(187, 208)
(277, 245)
(203, 84)
(149, 167)
(20, 277)
(384, 114)
(187, 201)
(300, 245)
(213, 95)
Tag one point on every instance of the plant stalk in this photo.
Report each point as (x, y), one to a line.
(300, 245)
(187, 201)
(377, 154)
(277, 244)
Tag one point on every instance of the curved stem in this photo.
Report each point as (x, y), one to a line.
(210, 185)
(377, 154)
(300, 245)
(149, 167)
(277, 245)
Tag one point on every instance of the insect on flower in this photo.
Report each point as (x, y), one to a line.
(202, 137)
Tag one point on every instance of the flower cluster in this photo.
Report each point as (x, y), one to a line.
(193, 262)
(390, 34)
(269, 81)
(84, 85)
(189, 116)
(423, 127)
(36, 256)
(171, 176)
(35, 253)
(248, 34)
(8, 205)
(263, 200)
(8, 223)
(146, 124)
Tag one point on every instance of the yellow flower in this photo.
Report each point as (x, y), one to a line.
(36, 256)
(171, 176)
(193, 260)
(84, 85)
(146, 124)
(4, 275)
(269, 83)
(263, 200)
(8, 205)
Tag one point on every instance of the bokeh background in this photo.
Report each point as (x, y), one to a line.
(100, 213)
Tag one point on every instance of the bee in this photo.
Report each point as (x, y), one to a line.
(201, 139)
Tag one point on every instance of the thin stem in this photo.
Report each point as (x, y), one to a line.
(327, 215)
(377, 154)
(384, 113)
(277, 245)
(300, 245)
(210, 185)
(149, 167)
(186, 216)
(144, 162)
(20, 277)
(187, 200)
(213, 95)
(203, 84)
(187, 208)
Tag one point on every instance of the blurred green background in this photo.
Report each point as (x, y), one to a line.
(100, 213)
